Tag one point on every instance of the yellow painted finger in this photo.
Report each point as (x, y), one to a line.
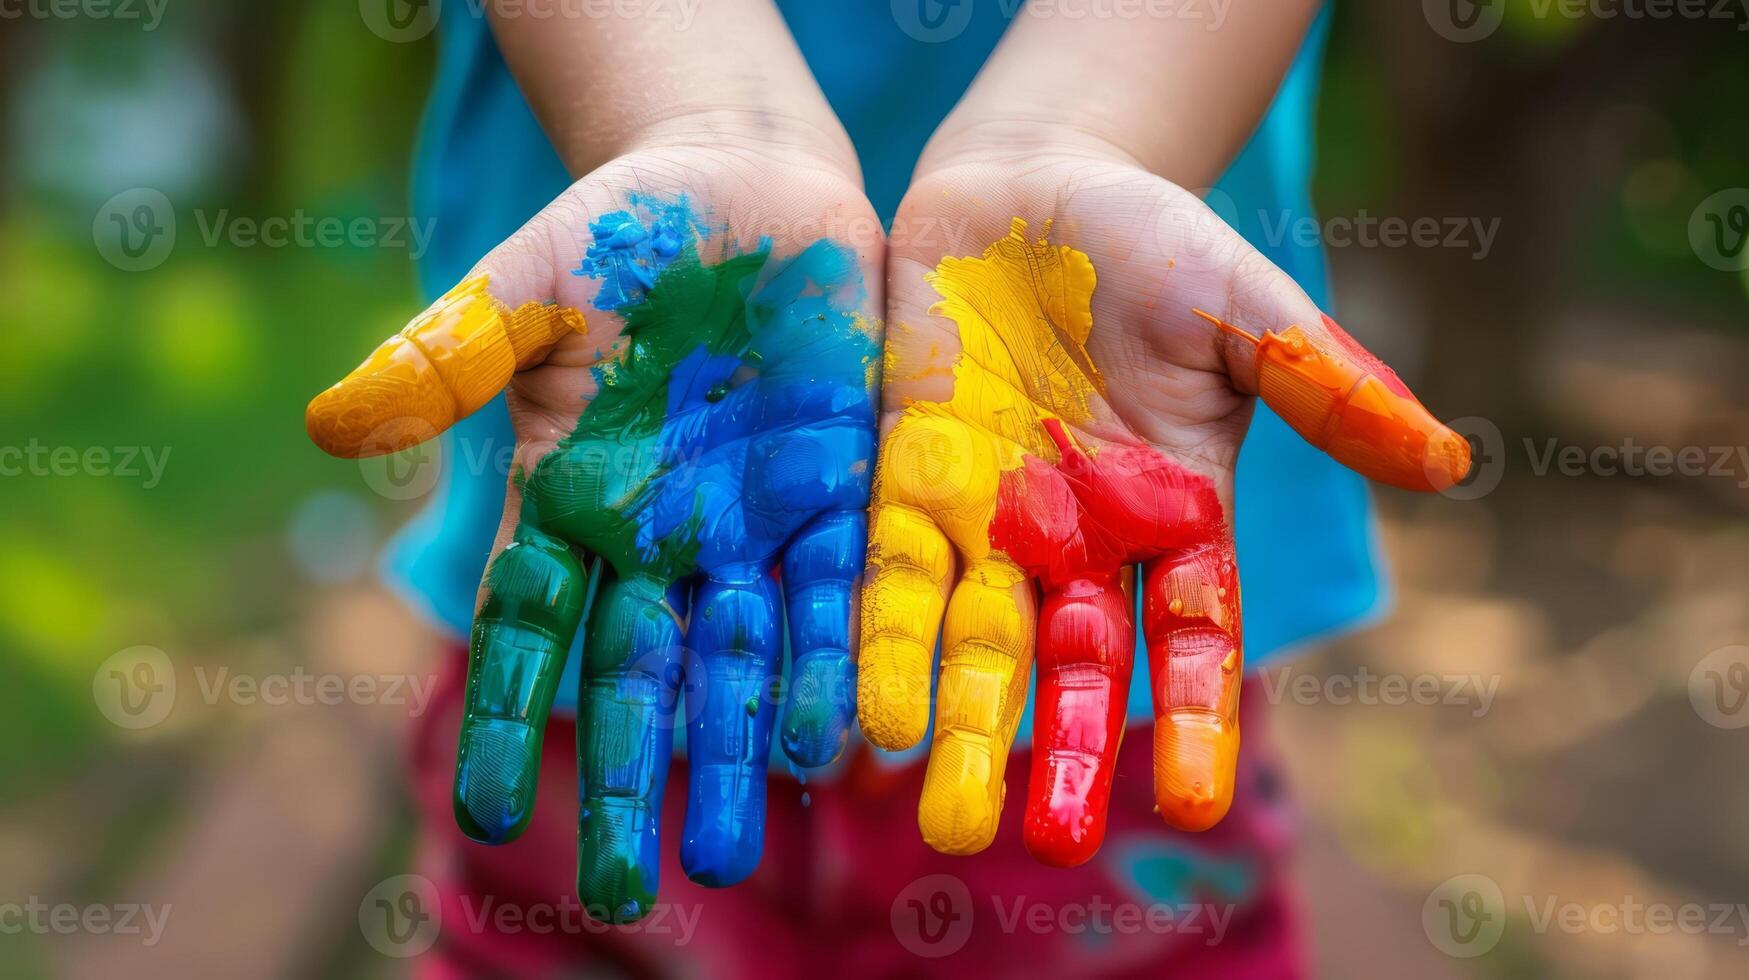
(910, 564)
(986, 661)
(441, 368)
(935, 491)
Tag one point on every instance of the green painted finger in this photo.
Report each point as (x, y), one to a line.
(535, 592)
(632, 671)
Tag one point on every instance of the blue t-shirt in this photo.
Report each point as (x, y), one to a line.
(1308, 557)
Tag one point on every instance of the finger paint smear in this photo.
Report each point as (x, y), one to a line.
(1009, 473)
(452, 359)
(732, 432)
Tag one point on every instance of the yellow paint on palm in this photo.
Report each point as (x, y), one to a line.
(1023, 311)
(442, 367)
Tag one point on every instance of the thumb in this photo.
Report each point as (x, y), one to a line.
(1341, 398)
(1271, 340)
(451, 359)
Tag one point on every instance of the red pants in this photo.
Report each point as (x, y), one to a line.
(847, 888)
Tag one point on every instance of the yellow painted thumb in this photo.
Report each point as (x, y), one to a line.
(439, 369)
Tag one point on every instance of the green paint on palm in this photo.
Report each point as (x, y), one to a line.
(590, 487)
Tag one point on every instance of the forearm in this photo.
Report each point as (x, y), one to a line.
(1175, 94)
(717, 72)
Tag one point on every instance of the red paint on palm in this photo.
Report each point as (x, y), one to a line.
(1089, 514)
(1075, 526)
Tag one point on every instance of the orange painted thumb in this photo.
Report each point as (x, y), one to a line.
(1345, 401)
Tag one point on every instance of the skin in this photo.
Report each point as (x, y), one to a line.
(1067, 385)
(688, 341)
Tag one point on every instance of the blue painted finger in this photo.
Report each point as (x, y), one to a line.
(820, 570)
(734, 635)
(632, 672)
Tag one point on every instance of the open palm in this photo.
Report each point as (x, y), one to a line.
(690, 348)
(1069, 376)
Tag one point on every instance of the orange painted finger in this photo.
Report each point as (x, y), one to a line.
(1190, 614)
(442, 367)
(1342, 399)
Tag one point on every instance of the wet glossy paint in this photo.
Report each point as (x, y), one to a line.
(1027, 481)
(1342, 399)
(1049, 519)
(731, 434)
(720, 469)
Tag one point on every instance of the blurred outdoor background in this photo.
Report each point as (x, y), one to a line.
(1602, 604)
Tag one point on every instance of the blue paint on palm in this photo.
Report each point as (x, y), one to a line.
(763, 455)
(627, 254)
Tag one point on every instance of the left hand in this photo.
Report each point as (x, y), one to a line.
(1056, 411)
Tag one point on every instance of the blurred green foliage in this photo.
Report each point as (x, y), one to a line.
(209, 357)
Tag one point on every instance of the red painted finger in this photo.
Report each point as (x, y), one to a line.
(1086, 643)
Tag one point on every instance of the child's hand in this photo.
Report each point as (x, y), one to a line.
(1056, 411)
(689, 338)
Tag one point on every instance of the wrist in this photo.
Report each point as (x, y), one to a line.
(1018, 141)
(761, 135)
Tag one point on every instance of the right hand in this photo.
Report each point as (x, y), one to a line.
(712, 423)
